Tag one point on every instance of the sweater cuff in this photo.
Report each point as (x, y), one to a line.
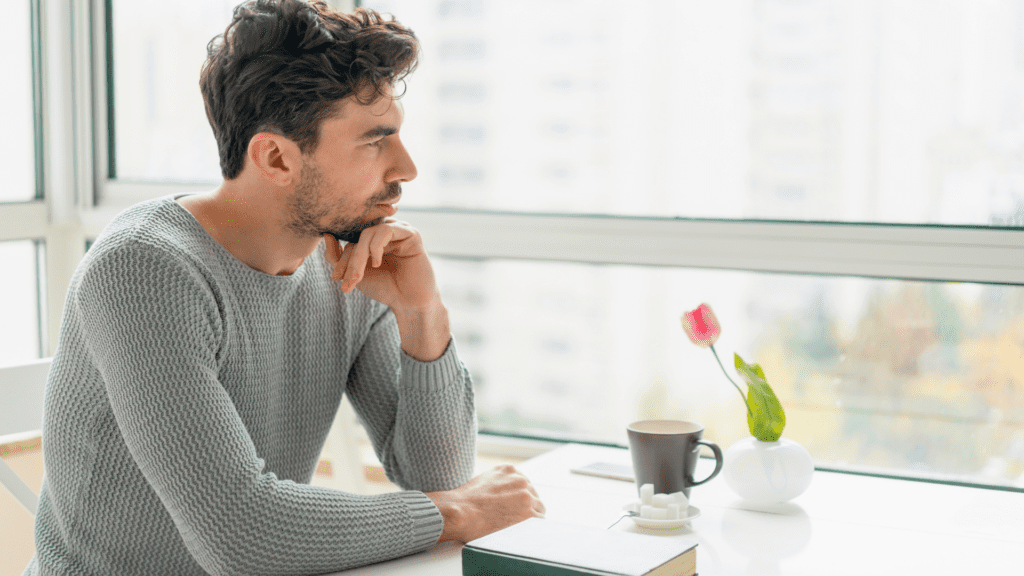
(427, 521)
(435, 375)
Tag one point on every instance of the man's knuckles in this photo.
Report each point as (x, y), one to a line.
(525, 501)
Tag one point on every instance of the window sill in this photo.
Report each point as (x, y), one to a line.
(491, 451)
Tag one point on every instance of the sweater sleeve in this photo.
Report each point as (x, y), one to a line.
(420, 416)
(155, 333)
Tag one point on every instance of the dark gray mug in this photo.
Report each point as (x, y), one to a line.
(665, 454)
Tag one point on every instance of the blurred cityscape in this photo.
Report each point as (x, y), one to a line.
(906, 377)
(819, 110)
(803, 110)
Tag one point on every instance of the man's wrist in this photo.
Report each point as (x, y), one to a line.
(451, 512)
(425, 332)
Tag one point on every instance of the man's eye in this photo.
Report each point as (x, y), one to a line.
(377, 143)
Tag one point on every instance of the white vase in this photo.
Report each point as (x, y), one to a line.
(767, 472)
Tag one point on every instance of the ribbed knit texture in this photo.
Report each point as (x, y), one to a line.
(190, 396)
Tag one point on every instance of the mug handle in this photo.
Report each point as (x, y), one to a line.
(718, 460)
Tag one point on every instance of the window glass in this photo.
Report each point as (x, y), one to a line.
(19, 302)
(16, 100)
(161, 131)
(823, 110)
(917, 378)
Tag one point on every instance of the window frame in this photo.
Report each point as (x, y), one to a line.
(81, 197)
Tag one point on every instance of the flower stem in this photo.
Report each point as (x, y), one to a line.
(730, 379)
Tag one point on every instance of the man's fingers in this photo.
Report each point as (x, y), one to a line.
(341, 265)
(377, 245)
(332, 251)
(538, 507)
(368, 251)
(360, 254)
(538, 504)
(352, 262)
(530, 487)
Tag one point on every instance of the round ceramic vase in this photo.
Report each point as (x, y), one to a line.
(767, 472)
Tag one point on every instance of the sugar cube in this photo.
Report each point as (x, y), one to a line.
(672, 512)
(662, 500)
(646, 511)
(681, 499)
(646, 494)
(659, 513)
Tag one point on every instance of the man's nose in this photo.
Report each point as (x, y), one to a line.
(404, 168)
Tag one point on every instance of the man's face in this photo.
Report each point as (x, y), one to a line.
(353, 179)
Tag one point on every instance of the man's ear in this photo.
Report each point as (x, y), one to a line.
(275, 158)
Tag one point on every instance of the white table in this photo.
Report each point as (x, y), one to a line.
(843, 524)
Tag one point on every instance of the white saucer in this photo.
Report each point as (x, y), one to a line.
(691, 513)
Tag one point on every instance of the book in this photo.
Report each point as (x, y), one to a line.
(539, 547)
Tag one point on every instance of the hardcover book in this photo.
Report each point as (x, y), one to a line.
(538, 547)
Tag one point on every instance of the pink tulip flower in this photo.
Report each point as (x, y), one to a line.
(701, 326)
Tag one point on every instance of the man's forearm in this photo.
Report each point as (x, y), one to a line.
(425, 333)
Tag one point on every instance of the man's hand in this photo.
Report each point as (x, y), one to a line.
(493, 500)
(390, 265)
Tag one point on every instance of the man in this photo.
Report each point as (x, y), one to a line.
(207, 340)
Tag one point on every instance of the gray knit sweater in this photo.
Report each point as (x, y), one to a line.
(190, 396)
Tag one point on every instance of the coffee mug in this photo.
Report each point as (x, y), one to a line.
(665, 454)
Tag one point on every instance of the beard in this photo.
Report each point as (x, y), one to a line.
(311, 215)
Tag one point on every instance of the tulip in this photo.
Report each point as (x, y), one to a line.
(701, 326)
(765, 416)
(703, 329)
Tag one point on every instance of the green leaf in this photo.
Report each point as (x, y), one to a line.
(765, 417)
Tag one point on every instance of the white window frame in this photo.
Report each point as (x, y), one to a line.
(81, 199)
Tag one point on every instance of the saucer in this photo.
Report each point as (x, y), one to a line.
(691, 513)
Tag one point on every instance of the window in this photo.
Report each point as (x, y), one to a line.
(837, 179)
(160, 129)
(815, 110)
(19, 147)
(20, 301)
(23, 226)
(749, 112)
(873, 374)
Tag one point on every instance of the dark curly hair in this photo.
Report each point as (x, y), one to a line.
(282, 66)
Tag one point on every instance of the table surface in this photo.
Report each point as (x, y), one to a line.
(842, 524)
